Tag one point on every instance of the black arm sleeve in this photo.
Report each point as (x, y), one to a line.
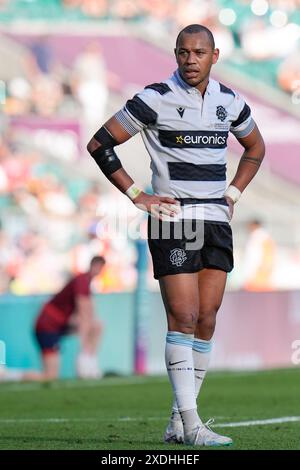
(105, 156)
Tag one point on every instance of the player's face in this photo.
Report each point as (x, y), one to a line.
(195, 57)
(96, 269)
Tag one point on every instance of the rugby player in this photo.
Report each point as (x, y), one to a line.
(185, 122)
(71, 311)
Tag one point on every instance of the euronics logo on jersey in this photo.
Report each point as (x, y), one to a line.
(196, 139)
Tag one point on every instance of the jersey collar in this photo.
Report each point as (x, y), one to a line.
(190, 89)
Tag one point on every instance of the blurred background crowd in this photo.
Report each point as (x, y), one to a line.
(55, 91)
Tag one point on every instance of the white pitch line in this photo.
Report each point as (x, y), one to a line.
(46, 420)
(261, 422)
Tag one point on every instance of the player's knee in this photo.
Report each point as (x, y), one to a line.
(209, 311)
(207, 322)
(183, 318)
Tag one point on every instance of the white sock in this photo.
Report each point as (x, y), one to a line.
(201, 357)
(201, 354)
(87, 365)
(180, 367)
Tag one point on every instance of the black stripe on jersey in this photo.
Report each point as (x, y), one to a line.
(141, 111)
(191, 172)
(215, 200)
(162, 88)
(193, 139)
(244, 114)
(225, 89)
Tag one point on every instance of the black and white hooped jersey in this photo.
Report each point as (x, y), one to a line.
(186, 138)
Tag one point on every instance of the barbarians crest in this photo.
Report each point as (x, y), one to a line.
(221, 113)
(177, 256)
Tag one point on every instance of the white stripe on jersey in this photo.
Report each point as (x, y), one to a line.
(186, 138)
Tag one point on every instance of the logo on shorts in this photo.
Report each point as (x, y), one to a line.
(177, 256)
(221, 113)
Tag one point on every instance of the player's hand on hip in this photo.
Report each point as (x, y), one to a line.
(230, 206)
(157, 206)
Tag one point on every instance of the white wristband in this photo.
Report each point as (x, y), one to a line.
(233, 192)
(133, 191)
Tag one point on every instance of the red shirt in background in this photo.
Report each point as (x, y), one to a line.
(55, 315)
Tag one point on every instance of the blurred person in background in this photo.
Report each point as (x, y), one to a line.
(89, 199)
(259, 258)
(93, 8)
(35, 250)
(185, 121)
(90, 81)
(289, 73)
(92, 245)
(71, 311)
(47, 95)
(126, 9)
(43, 58)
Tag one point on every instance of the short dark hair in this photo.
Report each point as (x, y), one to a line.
(197, 28)
(97, 259)
(255, 221)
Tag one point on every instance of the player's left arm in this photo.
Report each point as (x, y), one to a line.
(248, 166)
(251, 159)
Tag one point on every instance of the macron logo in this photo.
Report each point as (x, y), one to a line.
(180, 111)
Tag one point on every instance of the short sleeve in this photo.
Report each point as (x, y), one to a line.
(140, 111)
(243, 124)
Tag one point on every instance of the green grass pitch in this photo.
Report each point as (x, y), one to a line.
(131, 413)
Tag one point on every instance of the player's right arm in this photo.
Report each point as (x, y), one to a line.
(84, 314)
(101, 148)
(84, 306)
